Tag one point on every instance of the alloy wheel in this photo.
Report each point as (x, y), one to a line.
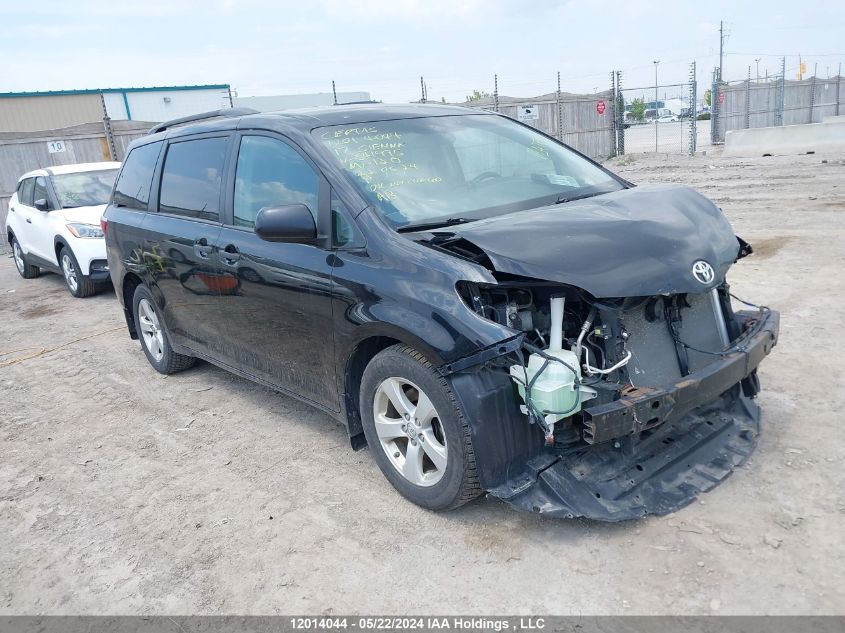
(16, 250)
(151, 329)
(410, 432)
(69, 271)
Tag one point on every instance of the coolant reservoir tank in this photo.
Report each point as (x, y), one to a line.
(556, 388)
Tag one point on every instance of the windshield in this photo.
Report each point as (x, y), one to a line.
(419, 171)
(85, 188)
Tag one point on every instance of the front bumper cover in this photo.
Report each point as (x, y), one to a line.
(706, 428)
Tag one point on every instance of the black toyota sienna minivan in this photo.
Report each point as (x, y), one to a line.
(482, 306)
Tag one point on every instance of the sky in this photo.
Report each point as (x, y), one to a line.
(266, 47)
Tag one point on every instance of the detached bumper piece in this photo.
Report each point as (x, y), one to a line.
(707, 427)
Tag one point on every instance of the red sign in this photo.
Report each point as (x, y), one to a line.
(600, 107)
(721, 97)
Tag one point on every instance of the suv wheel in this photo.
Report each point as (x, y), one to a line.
(416, 430)
(26, 271)
(78, 284)
(154, 338)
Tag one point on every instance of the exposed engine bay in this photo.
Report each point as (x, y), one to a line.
(627, 387)
(580, 352)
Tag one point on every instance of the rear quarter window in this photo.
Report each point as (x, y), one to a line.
(135, 181)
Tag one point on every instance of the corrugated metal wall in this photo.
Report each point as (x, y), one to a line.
(29, 114)
(21, 152)
(163, 105)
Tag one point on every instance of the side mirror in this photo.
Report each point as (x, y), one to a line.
(288, 223)
(42, 205)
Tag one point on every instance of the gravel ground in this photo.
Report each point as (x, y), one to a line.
(125, 492)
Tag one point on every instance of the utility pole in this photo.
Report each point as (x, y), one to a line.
(757, 60)
(656, 109)
(721, 48)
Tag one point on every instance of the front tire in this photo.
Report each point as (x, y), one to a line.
(24, 269)
(77, 284)
(416, 430)
(154, 338)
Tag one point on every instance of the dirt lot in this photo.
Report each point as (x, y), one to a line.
(122, 491)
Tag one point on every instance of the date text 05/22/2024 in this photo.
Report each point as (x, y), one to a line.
(401, 623)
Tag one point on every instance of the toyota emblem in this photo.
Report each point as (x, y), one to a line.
(703, 272)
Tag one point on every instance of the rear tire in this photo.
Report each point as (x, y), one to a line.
(77, 284)
(155, 341)
(25, 270)
(416, 430)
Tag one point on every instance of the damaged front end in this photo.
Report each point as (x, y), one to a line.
(628, 406)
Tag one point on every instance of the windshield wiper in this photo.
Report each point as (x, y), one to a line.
(439, 224)
(564, 199)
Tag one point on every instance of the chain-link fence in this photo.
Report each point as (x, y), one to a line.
(773, 101)
(660, 118)
(585, 122)
(657, 118)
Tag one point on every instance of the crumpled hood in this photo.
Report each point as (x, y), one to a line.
(84, 215)
(641, 241)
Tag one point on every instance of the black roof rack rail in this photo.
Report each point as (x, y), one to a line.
(223, 112)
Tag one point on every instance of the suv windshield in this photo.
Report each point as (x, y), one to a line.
(85, 188)
(459, 168)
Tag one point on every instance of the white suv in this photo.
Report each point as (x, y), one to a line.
(54, 223)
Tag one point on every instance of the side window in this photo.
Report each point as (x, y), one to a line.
(192, 176)
(40, 191)
(133, 186)
(25, 192)
(271, 173)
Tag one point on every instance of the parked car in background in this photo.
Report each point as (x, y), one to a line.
(668, 118)
(483, 307)
(54, 224)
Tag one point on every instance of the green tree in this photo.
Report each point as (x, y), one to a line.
(478, 95)
(638, 108)
(708, 97)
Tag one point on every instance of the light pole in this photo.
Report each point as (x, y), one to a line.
(656, 109)
(757, 60)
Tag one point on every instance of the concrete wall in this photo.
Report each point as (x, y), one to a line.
(25, 114)
(23, 152)
(787, 139)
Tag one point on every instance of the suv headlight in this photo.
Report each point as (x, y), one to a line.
(85, 230)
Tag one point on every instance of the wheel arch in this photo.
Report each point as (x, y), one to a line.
(355, 361)
(59, 243)
(128, 285)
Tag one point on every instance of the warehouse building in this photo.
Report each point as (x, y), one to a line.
(32, 111)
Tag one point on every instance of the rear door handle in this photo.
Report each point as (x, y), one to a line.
(202, 248)
(230, 255)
